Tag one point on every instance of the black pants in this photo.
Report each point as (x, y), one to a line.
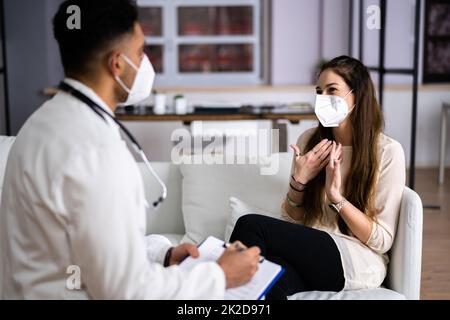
(310, 257)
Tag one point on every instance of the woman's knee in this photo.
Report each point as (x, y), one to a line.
(250, 221)
(246, 224)
(247, 219)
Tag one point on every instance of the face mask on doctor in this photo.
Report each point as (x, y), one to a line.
(331, 110)
(142, 84)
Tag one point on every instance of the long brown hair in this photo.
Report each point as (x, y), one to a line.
(367, 123)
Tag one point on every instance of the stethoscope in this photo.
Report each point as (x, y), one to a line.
(101, 112)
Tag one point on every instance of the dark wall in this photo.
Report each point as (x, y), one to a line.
(2, 76)
(32, 56)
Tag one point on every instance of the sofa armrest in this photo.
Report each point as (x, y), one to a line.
(404, 271)
(5, 146)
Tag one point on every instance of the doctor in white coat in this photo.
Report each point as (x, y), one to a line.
(73, 197)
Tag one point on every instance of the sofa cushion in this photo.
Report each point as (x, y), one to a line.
(239, 208)
(366, 294)
(207, 188)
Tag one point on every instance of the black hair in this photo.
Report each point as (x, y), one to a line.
(101, 23)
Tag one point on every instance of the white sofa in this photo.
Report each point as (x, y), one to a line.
(211, 186)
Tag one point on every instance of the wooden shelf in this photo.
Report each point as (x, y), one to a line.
(188, 118)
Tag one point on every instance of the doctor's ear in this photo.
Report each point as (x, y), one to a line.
(115, 63)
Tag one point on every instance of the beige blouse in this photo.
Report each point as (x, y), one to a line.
(365, 264)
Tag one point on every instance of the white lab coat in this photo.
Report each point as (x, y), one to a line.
(73, 195)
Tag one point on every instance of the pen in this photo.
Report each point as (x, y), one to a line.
(239, 248)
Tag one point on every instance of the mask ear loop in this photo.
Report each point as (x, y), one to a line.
(119, 81)
(351, 109)
(347, 94)
(124, 87)
(128, 60)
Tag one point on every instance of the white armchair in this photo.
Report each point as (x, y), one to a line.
(404, 269)
(5, 146)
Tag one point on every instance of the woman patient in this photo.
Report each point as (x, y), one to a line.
(345, 189)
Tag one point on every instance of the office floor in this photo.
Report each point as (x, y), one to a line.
(436, 234)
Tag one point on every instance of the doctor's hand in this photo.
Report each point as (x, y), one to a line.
(333, 174)
(239, 265)
(307, 166)
(182, 251)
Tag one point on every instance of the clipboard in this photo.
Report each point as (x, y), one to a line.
(267, 275)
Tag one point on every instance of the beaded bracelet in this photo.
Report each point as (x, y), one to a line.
(302, 185)
(295, 189)
(292, 203)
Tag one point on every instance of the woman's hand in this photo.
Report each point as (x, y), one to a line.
(308, 166)
(333, 177)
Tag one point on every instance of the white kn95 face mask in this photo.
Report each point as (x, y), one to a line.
(142, 84)
(331, 110)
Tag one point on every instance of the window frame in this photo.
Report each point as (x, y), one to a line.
(170, 41)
